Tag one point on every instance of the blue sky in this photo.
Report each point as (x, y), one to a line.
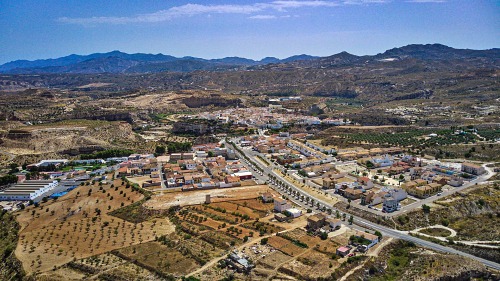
(253, 29)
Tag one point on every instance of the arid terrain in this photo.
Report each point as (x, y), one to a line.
(174, 162)
(79, 226)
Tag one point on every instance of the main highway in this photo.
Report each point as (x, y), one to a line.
(280, 183)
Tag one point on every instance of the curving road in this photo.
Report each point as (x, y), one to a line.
(384, 230)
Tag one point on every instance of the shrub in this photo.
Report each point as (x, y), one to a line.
(426, 209)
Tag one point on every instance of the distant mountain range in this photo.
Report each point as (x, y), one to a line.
(119, 62)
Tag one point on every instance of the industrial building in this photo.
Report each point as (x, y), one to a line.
(28, 190)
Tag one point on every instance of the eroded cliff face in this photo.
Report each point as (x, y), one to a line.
(67, 138)
(217, 101)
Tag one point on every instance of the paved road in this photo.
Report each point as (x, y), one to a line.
(482, 178)
(162, 180)
(357, 220)
(425, 243)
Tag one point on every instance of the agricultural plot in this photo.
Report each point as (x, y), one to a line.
(408, 138)
(328, 247)
(106, 266)
(489, 135)
(302, 236)
(217, 214)
(219, 227)
(277, 242)
(78, 225)
(256, 204)
(310, 265)
(273, 260)
(201, 220)
(292, 250)
(285, 246)
(263, 227)
(220, 239)
(234, 208)
(159, 258)
(200, 250)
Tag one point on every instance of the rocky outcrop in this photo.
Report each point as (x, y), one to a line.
(195, 102)
(18, 134)
(195, 127)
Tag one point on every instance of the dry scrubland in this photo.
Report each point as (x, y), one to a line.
(402, 260)
(474, 214)
(78, 226)
(51, 139)
(101, 267)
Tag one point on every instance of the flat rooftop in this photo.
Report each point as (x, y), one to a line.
(24, 188)
(15, 193)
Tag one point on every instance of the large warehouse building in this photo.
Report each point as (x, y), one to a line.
(28, 190)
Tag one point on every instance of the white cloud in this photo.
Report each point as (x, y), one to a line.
(198, 9)
(280, 5)
(426, 1)
(262, 17)
(358, 2)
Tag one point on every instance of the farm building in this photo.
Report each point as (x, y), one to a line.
(295, 213)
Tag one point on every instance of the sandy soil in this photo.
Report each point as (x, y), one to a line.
(166, 200)
(139, 180)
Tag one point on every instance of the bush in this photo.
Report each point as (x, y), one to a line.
(263, 241)
(426, 209)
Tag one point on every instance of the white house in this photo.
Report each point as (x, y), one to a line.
(295, 213)
(366, 182)
(334, 223)
(380, 162)
(281, 205)
(398, 194)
